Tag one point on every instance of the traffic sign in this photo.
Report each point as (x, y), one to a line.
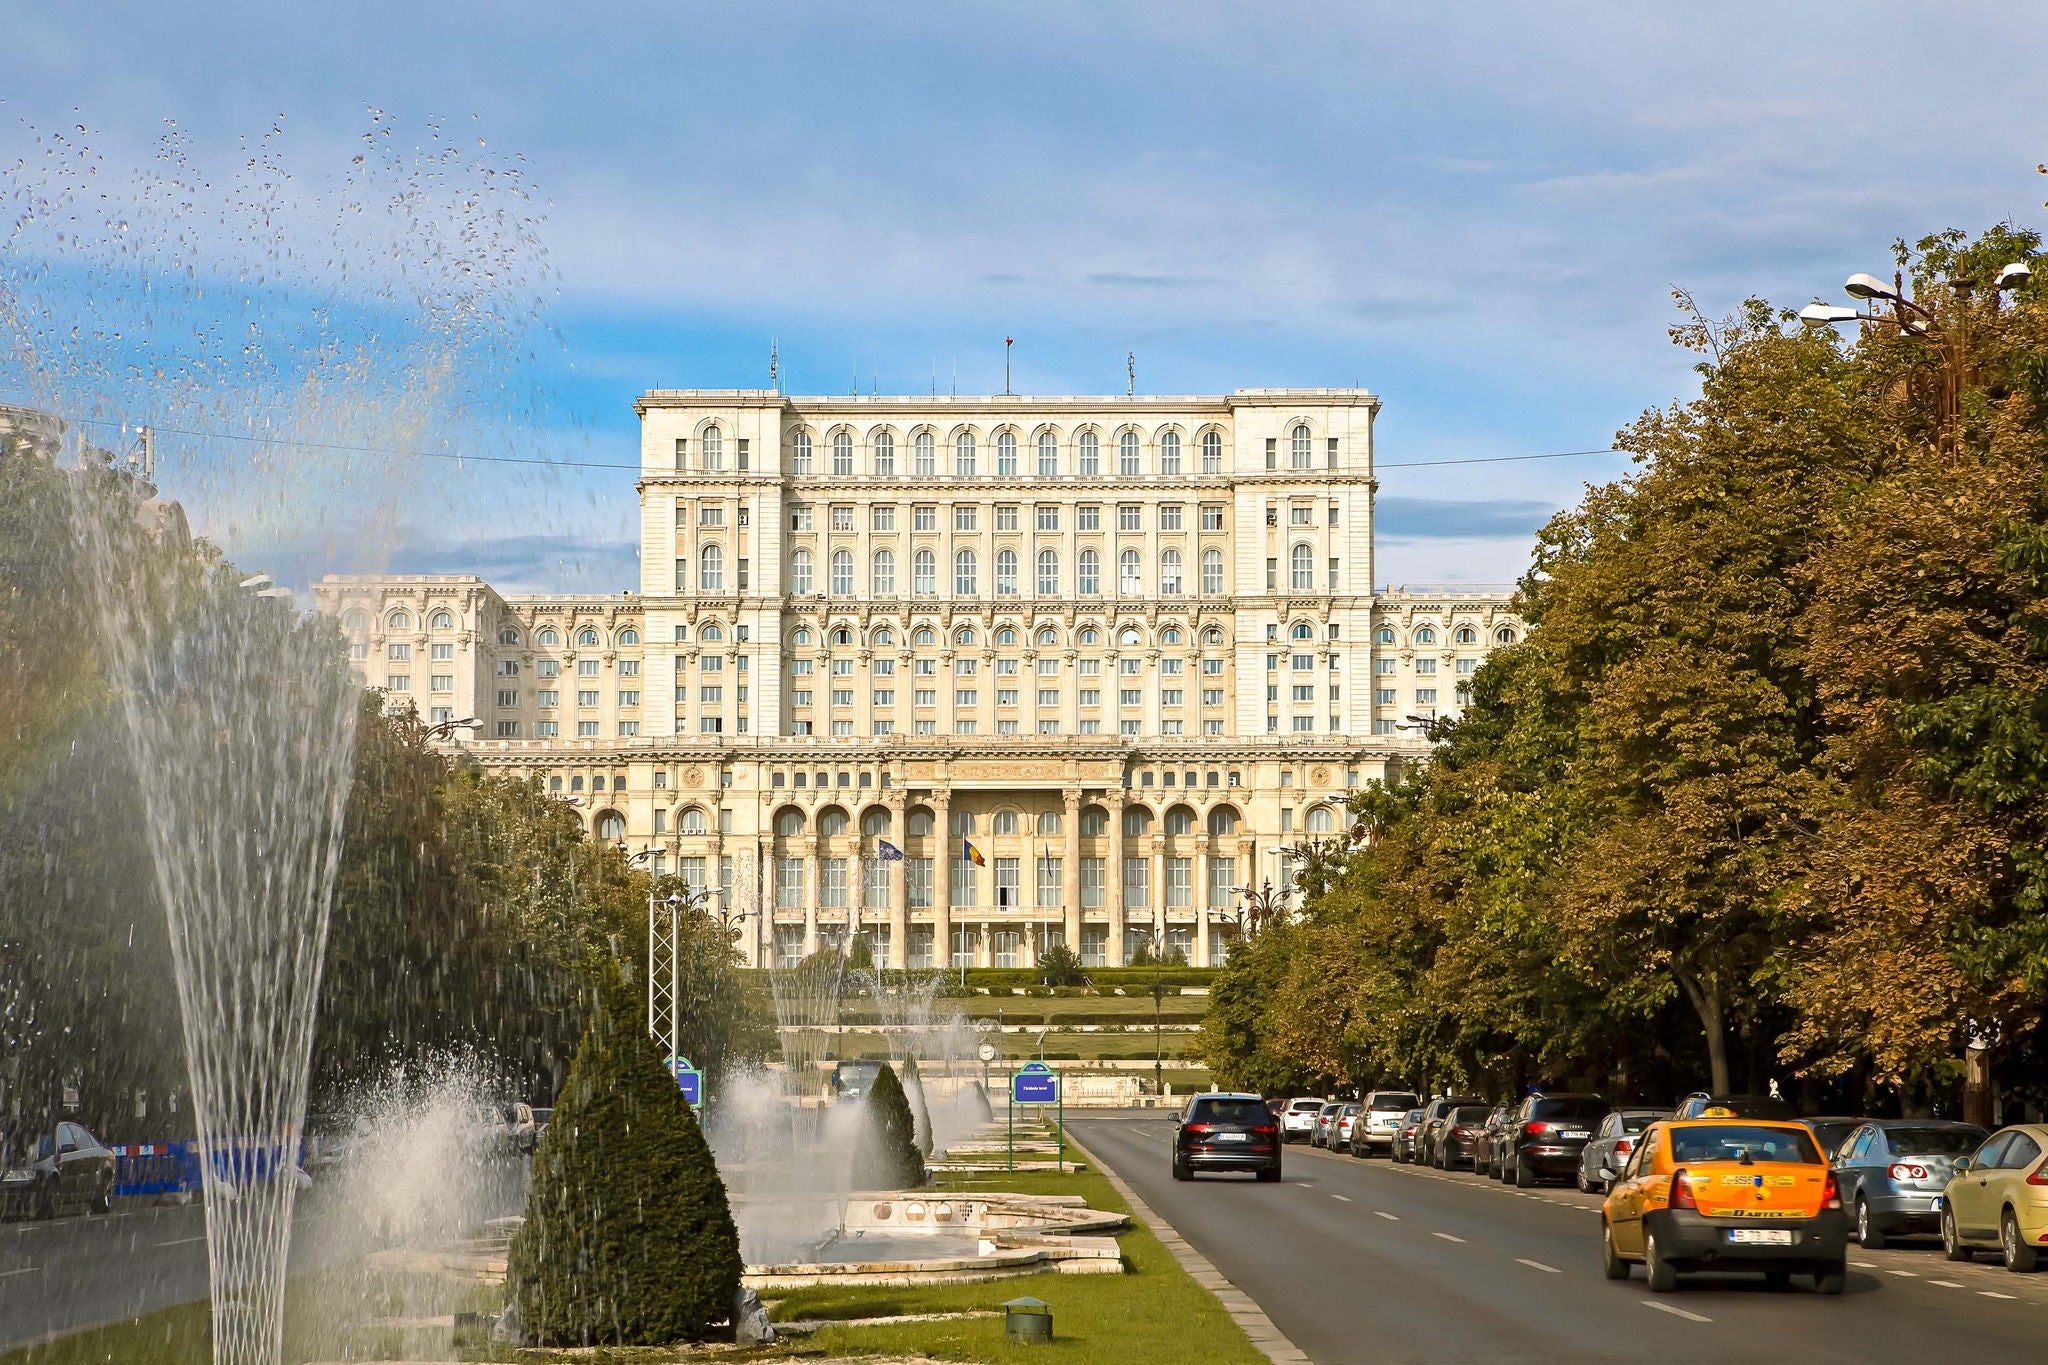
(1035, 1083)
(689, 1078)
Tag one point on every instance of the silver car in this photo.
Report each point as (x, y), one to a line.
(1612, 1141)
(1892, 1171)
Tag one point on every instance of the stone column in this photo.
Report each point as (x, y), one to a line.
(1113, 878)
(808, 850)
(1201, 899)
(1070, 870)
(942, 877)
(1155, 890)
(899, 888)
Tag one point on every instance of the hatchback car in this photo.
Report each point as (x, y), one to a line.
(1340, 1131)
(1404, 1136)
(1998, 1197)
(1892, 1173)
(1326, 1120)
(1611, 1143)
(1226, 1132)
(1544, 1137)
(1298, 1119)
(1435, 1117)
(1726, 1194)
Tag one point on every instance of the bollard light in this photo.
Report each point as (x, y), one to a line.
(1027, 1319)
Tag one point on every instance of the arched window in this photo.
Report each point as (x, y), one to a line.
(1302, 568)
(1048, 822)
(1169, 573)
(576, 783)
(712, 447)
(1005, 822)
(1048, 573)
(1465, 635)
(1212, 452)
(1090, 636)
(401, 620)
(1180, 820)
(1127, 454)
(883, 578)
(842, 454)
(1170, 636)
(800, 572)
(1424, 635)
(508, 635)
(1302, 631)
(547, 637)
(1129, 578)
(1006, 455)
(1304, 447)
(1089, 583)
(963, 455)
(1137, 820)
(1048, 455)
(842, 637)
(918, 825)
(1006, 573)
(1384, 635)
(965, 637)
(629, 636)
(1504, 636)
(441, 621)
(1094, 822)
(586, 638)
(711, 632)
(789, 823)
(711, 569)
(1129, 636)
(1212, 573)
(802, 447)
(885, 455)
(924, 572)
(832, 822)
(611, 827)
(691, 821)
(1006, 636)
(1223, 820)
(1320, 821)
(925, 452)
(924, 636)
(842, 573)
(875, 824)
(1212, 638)
(355, 623)
(1047, 638)
(1091, 455)
(963, 822)
(884, 637)
(963, 574)
(801, 636)
(1169, 452)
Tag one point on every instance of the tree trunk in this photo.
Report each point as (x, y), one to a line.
(1977, 1091)
(1707, 1003)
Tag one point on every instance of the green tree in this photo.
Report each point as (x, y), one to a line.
(887, 1156)
(1060, 965)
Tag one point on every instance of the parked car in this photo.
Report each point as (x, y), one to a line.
(1384, 1110)
(332, 1138)
(1458, 1142)
(1219, 1131)
(1487, 1157)
(520, 1124)
(1699, 1104)
(1546, 1134)
(1326, 1119)
(1340, 1131)
(1298, 1119)
(1892, 1173)
(851, 1079)
(70, 1169)
(540, 1121)
(1998, 1197)
(1726, 1194)
(1831, 1130)
(1435, 1115)
(1404, 1136)
(1610, 1145)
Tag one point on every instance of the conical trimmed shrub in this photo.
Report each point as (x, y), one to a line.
(628, 1238)
(887, 1157)
(920, 1112)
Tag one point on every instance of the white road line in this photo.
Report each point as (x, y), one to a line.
(1447, 1236)
(1345, 1197)
(1864, 1265)
(1993, 1294)
(1674, 1312)
(1946, 1284)
(1390, 1217)
(1906, 1274)
(22, 1270)
(181, 1241)
(1538, 1265)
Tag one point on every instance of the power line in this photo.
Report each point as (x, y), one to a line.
(601, 464)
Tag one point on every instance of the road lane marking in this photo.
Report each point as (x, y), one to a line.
(1538, 1265)
(23, 1270)
(1345, 1197)
(1864, 1265)
(1908, 1274)
(1993, 1294)
(1946, 1284)
(182, 1241)
(1390, 1217)
(1674, 1312)
(1447, 1237)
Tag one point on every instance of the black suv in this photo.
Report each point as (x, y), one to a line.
(1546, 1134)
(1226, 1132)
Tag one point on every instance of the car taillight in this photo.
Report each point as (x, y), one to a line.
(1681, 1192)
(2040, 1175)
(1831, 1193)
(1460, 1132)
(1624, 1146)
(1199, 1128)
(1264, 1130)
(1539, 1128)
(1906, 1170)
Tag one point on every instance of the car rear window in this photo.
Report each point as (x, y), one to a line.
(1231, 1111)
(1934, 1141)
(1390, 1100)
(1732, 1141)
(1304, 1106)
(1471, 1113)
(1585, 1110)
(1635, 1123)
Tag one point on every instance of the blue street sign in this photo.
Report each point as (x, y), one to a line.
(689, 1078)
(1035, 1083)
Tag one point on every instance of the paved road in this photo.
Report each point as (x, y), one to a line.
(1368, 1262)
(74, 1272)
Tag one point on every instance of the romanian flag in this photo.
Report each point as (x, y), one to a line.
(972, 854)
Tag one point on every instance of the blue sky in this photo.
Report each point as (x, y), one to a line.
(1475, 210)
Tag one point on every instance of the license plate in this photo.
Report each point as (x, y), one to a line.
(1575, 1133)
(1230, 1137)
(1766, 1237)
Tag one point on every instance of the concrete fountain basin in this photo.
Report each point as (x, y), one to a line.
(913, 1237)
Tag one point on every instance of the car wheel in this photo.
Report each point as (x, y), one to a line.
(1585, 1185)
(1270, 1175)
(1831, 1278)
(46, 1205)
(1525, 1179)
(2019, 1257)
(1181, 1172)
(1867, 1234)
(1777, 1281)
(1662, 1275)
(1951, 1241)
(1611, 1263)
(103, 1202)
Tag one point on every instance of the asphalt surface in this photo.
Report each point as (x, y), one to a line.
(1365, 1261)
(76, 1272)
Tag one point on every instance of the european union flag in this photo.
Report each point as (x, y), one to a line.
(887, 851)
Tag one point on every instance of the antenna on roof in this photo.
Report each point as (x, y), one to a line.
(935, 376)
(1131, 372)
(956, 377)
(1008, 342)
(775, 366)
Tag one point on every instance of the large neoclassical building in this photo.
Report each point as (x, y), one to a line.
(1092, 665)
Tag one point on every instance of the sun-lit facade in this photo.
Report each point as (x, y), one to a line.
(1091, 665)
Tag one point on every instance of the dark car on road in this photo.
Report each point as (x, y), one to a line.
(70, 1170)
(1607, 1152)
(1457, 1143)
(1435, 1118)
(1486, 1156)
(1544, 1136)
(1892, 1172)
(1226, 1132)
(1831, 1131)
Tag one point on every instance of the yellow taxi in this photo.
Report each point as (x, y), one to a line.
(1723, 1193)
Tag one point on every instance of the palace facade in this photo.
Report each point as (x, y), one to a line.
(1093, 666)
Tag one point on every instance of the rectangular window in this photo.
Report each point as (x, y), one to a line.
(1137, 874)
(398, 653)
(1006, 884)
(917, 882)
(1006, 517)
(963, 517)
(629, 697)
(546, 729)
(442, 682)
(882, 518)
(1212, 516)
(1171, 696)
(586, 729)
(842, 517)
(508, 729)
(398, 682)
(963, 880)
(966, 696)
(789, 883)
(587, 697)
(1304, 722)
(885, 697)
(1299, 515)
(1130, 696)
(842, 696)
(1180, 882)
(629, 728)
(1468, 666)
(585, 668)
(1222, 882)
(1425, 696)
(1092, 883)
(799, 518)
(711, 725)
(800, 697)
(1425, 665)
(1272, 575)
(1048, 517)
(1088, 517)
(832, 883)
(709, 515)
(1384, 667)
(925, 696)
(1051, 893)
(1048, 696)
(1272, 452)
(1091, 696)
(441, 651)
(508, 698)
(1128, 517)
(1169, 516)
(548, 668)
(925, 518)
(711, 694)
(1383, 696)
(1006, 696)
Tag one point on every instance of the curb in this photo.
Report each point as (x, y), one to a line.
(1266, 1338)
